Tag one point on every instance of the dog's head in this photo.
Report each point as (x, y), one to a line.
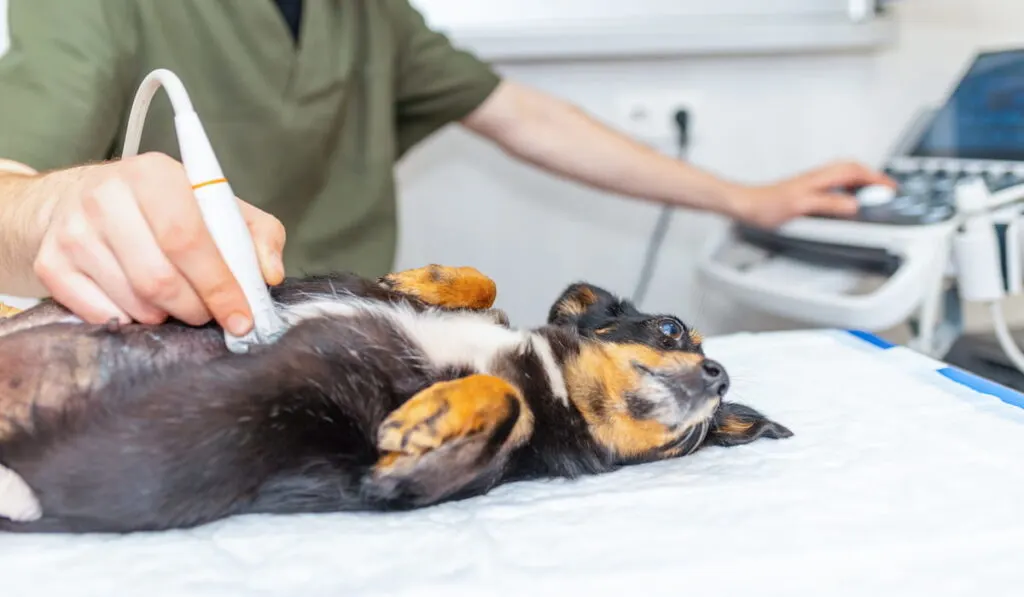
(643, 383)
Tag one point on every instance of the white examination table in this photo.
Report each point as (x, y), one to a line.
(902, 479)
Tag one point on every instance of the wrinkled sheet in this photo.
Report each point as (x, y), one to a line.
(897, 482)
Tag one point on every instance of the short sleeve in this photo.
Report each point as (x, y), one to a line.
(436, 83)
(65, 80)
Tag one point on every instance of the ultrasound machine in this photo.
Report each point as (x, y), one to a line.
(949, 233)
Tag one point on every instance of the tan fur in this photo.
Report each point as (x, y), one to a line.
(8, 311)
(451, 410)
(577, 303)
(34, 380)
(453, 287)
(601, 378)
(734, 426)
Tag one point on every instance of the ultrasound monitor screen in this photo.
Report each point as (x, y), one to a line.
(983, 119)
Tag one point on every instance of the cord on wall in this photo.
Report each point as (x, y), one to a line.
(657, 238)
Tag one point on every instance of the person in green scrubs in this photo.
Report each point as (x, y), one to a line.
(309, 105)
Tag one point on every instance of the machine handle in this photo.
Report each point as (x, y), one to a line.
(922, 267)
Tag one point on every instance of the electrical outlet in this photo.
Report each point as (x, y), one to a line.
(651, 116)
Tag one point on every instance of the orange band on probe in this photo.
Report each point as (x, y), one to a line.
(208, 183)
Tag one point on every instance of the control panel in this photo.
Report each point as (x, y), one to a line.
(925, 191)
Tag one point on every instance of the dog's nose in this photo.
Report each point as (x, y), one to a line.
(716, 380)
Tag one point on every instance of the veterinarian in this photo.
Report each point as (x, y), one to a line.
(309, 105)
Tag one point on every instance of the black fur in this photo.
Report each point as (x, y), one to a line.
(161, 427)
(755, 424)
(614, 319)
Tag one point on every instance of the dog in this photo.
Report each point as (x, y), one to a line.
(382, 395)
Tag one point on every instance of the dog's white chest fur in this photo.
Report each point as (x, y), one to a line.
(448, 339)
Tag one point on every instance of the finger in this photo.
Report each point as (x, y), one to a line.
(269, 236)
(74, 290)
(137, 259)
(99, 265)
(832, 204)
(848, 174)
(167, 202)
(83, 251)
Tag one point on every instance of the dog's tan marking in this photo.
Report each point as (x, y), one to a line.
(8, 311)
(735, 426)
(696, 337)
(43, 379)
(586, 296)
(605, 330)
(443, 286)
(452, 410)
(601, 379)
(577, 302)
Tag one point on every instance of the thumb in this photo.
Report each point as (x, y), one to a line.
(834, 204)
(269, 236)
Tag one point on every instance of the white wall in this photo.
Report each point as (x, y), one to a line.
(463, 202)
(761, 118)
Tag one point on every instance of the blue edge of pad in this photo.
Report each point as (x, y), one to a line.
(970, 380)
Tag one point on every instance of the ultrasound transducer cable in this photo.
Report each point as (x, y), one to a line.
(657, 238)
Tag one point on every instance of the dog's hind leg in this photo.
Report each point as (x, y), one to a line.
(17, 502)
(449, 439)
(13, 319)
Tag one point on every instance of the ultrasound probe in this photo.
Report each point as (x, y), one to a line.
(216, 200)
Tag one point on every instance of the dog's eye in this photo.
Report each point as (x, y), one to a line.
(670, 328)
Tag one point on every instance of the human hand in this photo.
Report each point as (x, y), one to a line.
(811, 193)
(126, 240)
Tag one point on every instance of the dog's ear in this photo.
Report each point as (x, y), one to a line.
(735, 424)
(577, 300)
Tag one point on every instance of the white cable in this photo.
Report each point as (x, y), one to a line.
(1006, 341)
(180, 104)
(998, 200)
(216, 201)
(1002, 329)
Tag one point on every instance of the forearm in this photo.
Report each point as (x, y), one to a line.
(561, 139)
(23, 213)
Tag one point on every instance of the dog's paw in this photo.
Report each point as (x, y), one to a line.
(446, 437)
(17, 502)
(448, 411)
(452, 287)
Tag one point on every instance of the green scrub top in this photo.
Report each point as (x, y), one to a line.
(309, 131)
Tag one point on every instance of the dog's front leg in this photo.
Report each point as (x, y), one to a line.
(444, 286)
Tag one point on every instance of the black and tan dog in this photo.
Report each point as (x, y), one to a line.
(381, 395)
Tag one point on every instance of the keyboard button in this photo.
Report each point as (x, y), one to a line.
(873, 195)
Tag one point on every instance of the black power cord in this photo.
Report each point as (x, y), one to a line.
(657, 238)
